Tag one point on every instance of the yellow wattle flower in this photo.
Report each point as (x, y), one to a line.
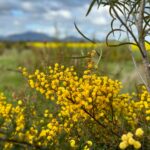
(124, 137)
(72, 143)
(139, 132)
(131, 141)
(89, 143)
(129, 135)
(123, 145)
(20, 102)
(137, 145)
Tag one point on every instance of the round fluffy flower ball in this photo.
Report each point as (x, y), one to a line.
(89, 143)
(129, 135)
(72, 143)
(20, 102)
(124, 137)
(123, 145)
(137, 145)
(139, 132)
(131, 141)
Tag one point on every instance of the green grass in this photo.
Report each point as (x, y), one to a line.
(10, 79)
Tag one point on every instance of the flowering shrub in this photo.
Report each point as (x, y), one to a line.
(85, 111)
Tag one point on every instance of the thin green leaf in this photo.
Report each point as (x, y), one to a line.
(83, 34)
(90, 7)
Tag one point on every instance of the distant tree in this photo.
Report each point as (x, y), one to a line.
(134, 20)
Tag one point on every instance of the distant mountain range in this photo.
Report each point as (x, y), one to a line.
(34, 36)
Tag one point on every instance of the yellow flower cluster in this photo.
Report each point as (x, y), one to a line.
(77, 95)
(128, 139)
(44, 135)
(12, 117)
(8, 111)
(144, 103)
(77, 106)
(91, 60)
(90, 98)
(139, 107)
(101, 94)
(86, 146)
(15, 124)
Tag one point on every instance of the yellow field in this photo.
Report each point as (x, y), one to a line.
(61, 44)
(73, 45)
(134, 48)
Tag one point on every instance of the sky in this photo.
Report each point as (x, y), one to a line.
(53, 17)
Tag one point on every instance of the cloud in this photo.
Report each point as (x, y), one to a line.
(64, 13)
(42, 15)
(16, 23)
(28, 6)
(51, 14)
(99, 21)
(73, 3)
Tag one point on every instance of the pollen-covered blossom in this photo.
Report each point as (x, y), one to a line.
(89, 143)
(139, 132)
(123, 145)
(20, 102)
(137, 145)
(72, 143)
